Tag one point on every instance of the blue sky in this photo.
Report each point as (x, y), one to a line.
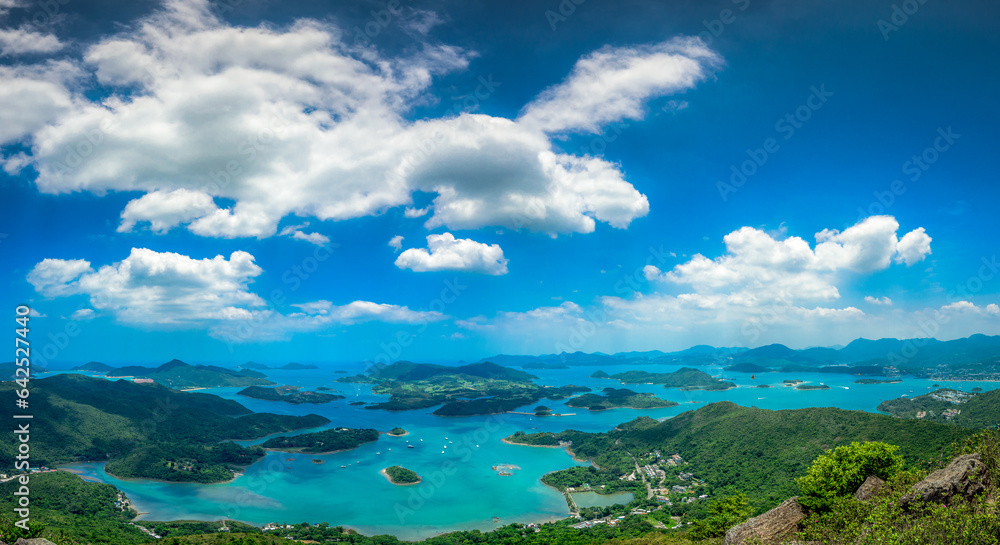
(224, 181)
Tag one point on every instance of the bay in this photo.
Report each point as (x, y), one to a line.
(454, 456)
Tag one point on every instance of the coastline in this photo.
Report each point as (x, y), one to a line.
(564, 447)
(390, 434)
(388, 478)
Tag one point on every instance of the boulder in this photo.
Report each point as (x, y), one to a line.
(869, 488)
(771, 527)
(965, 476)
(33, 541)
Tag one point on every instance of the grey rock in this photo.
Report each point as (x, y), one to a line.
(771, 527)
(965, 476)
(869, 488)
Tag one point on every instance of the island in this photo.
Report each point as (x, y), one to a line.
(791, 382)
(93, 367)
(324, 389)
(812, 387)
(877, 381)
(614, 398)
(397, 432)
(288, 394)
(685, 378)
(466, 390)
(763, 386)
(323, 442)
(600, 374)
(400, 475)
(179, 375)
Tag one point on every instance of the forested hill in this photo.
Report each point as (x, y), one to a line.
(177, 374)
(756, 451)
(83, 418)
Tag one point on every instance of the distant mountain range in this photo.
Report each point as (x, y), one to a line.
(861, 356)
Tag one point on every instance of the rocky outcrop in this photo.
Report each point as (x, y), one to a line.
(771, 527)
(965, 476)
(33, 541)
(869, 488)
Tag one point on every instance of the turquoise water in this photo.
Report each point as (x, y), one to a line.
(459, 488)
(593, 499)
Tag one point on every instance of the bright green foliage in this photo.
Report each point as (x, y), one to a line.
(880, 520)
(839, 472)
(723, 514)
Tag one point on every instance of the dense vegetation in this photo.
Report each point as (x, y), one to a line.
(401, 475)
(177, 374)
(684, 378)
(288, 394)
(619, 397)
(73, 511)
(978, 410)
(543, 439)
(80, 418)
(474, 389)
(324, 441)
(184, 463)
(756, 451)
(589, 477)
(397, 432)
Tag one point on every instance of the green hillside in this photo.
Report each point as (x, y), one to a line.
(80, 418)
(755, 451)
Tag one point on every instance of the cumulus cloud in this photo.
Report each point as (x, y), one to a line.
(20, 41)
(913, 247)
(396, 242)
(251, 124)
(296, 233)
(759, 268)
(151, 288)
(614, 83)
(446, 253)
(765, 287)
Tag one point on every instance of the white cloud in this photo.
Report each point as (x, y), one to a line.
(913, 247)
(396, 242)
(651, 272)
(83, 314)
(411, 212)
(614, 83)
(967, 307)
(168, 289)
(446, 253)
(878, 300)
(52, 277)
(166, 209)
(260, 123)
(42, 96)
(19, 41)
(758, 268)
(7, 5)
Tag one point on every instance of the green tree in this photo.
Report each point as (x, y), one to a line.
(839, 472)
(723, 514)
